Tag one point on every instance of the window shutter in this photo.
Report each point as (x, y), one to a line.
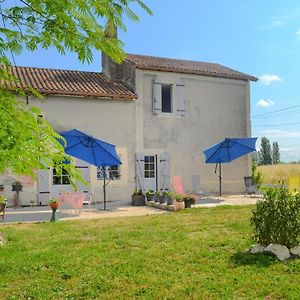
(156, 101)
(180, 98)
(44, 186)
(164, 179)
(140, 158)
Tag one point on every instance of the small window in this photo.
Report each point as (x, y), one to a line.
(166, 98)
(60, 179)
(112, 173)
(149, 165)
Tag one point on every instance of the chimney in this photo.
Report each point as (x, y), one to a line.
(123, 73)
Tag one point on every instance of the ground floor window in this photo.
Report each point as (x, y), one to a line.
(149, 166)
(60, 179)
(112, 173)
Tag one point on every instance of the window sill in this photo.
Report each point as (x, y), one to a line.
(169, 115)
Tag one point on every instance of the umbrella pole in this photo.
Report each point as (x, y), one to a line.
(220, 178)
(104, 189)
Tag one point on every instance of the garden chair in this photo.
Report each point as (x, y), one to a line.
(2, 210)
(177, 184)
(72, 203)
(197, 187)
(251, 188)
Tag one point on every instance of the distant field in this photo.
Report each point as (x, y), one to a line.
(274, 173)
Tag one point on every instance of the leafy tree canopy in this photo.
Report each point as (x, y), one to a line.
(27, 141)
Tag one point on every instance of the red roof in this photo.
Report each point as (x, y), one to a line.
(145, 62)
(71, 83)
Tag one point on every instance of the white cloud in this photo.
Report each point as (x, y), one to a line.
(278, 23)
(265, 103)
(289, 154)
(274, 133)
(267, 79)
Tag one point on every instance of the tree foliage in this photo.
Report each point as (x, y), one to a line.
(265, 155)
(275, 153)
(27, 141)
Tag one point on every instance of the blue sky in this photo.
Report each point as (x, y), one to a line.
(261, 38)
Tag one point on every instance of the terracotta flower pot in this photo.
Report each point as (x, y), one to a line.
(54, 205)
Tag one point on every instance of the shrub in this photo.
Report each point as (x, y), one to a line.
(179, 197)
(150, 192)
(257, 175)
(276, 218)
(138, 192)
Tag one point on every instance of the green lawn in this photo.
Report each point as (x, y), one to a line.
(195, 254)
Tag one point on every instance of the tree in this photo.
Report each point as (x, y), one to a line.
(275, 153)
(265, 156)
(27, 141)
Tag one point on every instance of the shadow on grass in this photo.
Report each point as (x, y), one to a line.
(246, 258)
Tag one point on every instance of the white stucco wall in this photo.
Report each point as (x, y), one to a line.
(110, 120)
(215, 108)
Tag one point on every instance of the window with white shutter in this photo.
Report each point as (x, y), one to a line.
(140, 171)
(180, 98)
(168, 98)
(156, 101)
(164, 179)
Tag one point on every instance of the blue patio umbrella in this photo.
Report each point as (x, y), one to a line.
(228, 150)
(91, 150)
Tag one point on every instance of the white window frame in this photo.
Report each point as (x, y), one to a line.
(109, 173)
(61, 176)
(171, 98)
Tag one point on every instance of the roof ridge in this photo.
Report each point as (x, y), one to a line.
(172, 58)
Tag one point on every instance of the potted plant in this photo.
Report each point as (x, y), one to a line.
(156, 196)
(54, 204)
(150, 194)
(170, 198)
(179, 203)
(138, 198)
(162, 197)
(1, 187)
(189, 200)
(17, 186)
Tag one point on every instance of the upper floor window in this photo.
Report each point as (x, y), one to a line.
(166, 98)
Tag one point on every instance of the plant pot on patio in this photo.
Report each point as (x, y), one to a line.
(170, 198)
(189, 200)
(150, 195)
(178, 203)
(54, 204)
(137, 198)
(162, 198)
(156, 197)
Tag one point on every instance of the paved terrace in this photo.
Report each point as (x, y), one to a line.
(114, 209)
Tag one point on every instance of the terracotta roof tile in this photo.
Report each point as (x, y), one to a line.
(145, 62)
(71, 83)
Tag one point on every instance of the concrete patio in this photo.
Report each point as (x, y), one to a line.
(114, 209)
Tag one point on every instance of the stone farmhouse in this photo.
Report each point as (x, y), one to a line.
(160, 113)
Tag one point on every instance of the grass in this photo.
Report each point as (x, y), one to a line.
(195, 254)
(274, 173)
